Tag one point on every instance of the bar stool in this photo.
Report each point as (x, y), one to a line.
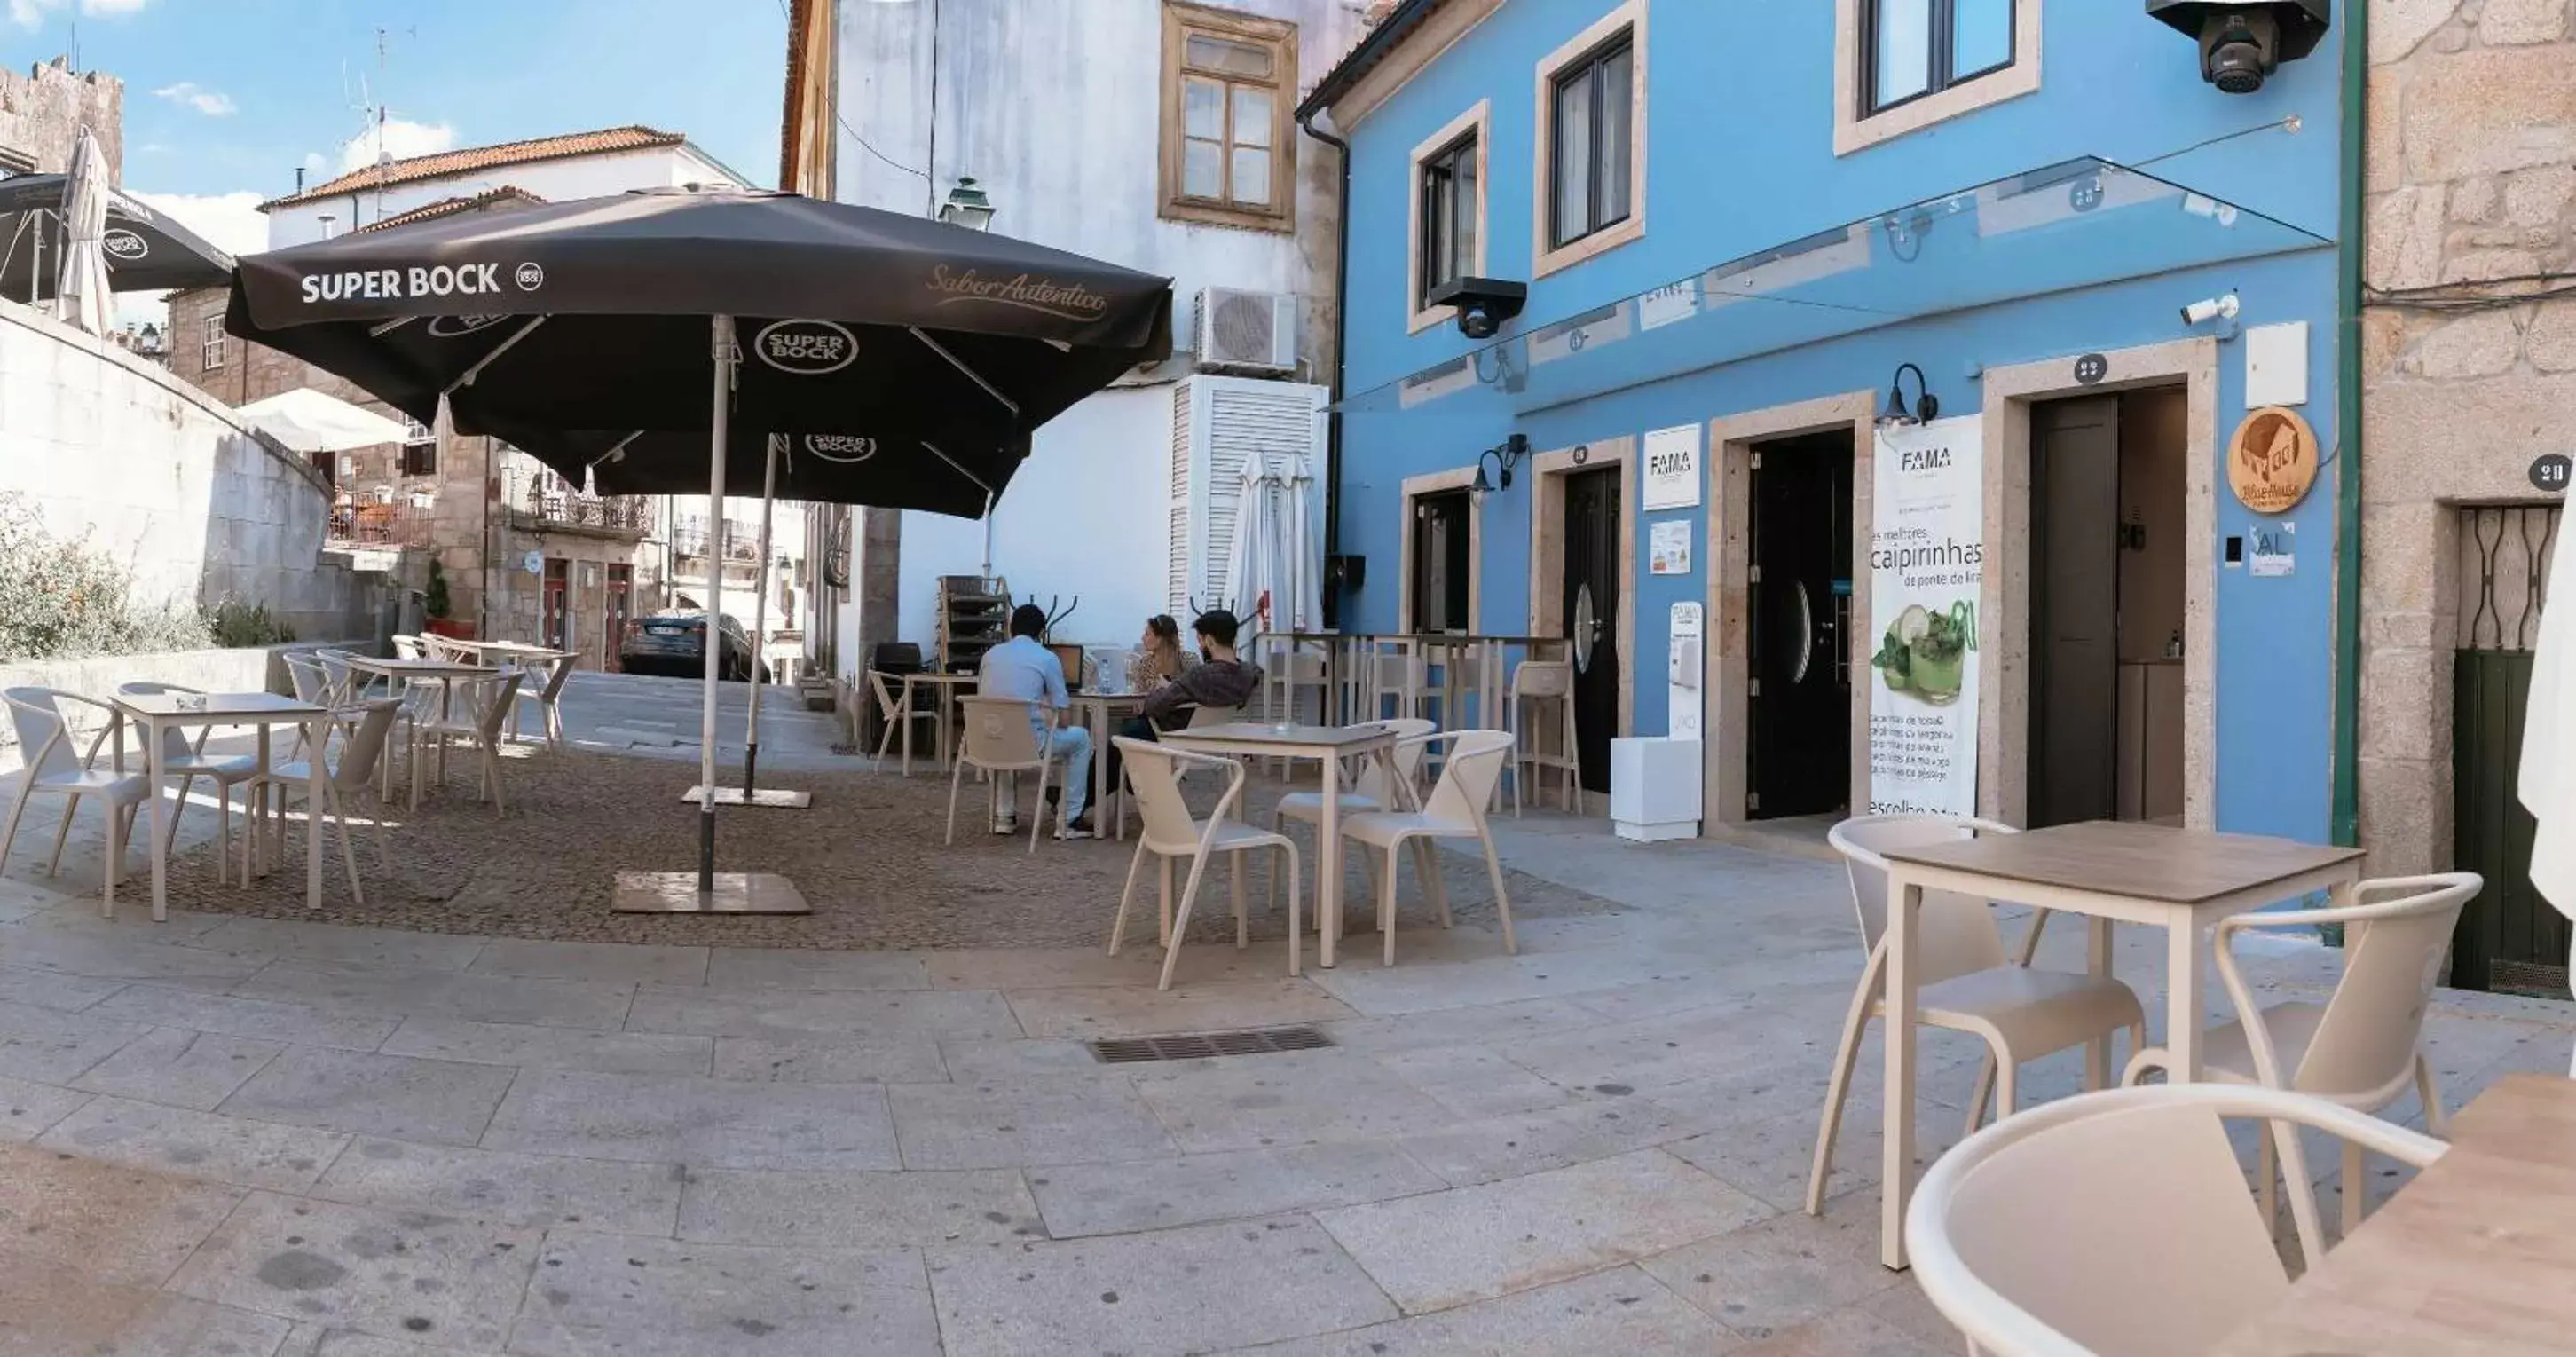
(1543, 699)
(1395, 670)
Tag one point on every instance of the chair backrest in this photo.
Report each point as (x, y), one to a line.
(556, 672)
(1000, 733)
(1214, 716)
(312, 684)
(1467, 776)
(1543, 678)
(175, 743)
(2367, 1038)
(44, 735)
(1412, 733)
(365, 746)
(335, 671)
(1958, 933)
(2115, 1223)
(1154, 772)
(407, 648)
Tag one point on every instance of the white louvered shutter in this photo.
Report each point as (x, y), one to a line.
(1220, 426)
(1176, 570)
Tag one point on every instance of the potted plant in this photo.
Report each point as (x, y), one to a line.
(434, 601)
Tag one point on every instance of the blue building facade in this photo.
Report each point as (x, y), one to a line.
(1741, 220)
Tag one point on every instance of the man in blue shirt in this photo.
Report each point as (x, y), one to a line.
(1022, 669)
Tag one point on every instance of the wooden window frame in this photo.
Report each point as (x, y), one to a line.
(418, 438)
(1625, 23)
(1858, 127)
(1180, 22)
(1478, 123)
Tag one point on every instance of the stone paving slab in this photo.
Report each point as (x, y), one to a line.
(1203, 1288)
(196, 1144)
(1247, 1102)
(1447, 1248)
(1774, 1275)
(437, 1101)
(127, 955)
(26, 1109)
(175, 1066)
(1472, 1081)
(526, 1190)
(1035, 968)
(1848, 1333)
(1160, 1194)
(600, 1294)
(779, 968)
(1385, 992)
(431, 1277)
(52, 1047)
(968, 1061)
(52, 989)
(446, 994)
(53, 1310)
(550, 1048)
(308, 1340)
(343, 947)
(722, 1123)
(858, 1210)
(114, 1225)
(1500, 1026)
(606, 962)
(948, 1015)
(830, 1060)
(263, 1019)
(1492, 1148)
(1619, 1311)
(1089, 1014)
(1010, 1123)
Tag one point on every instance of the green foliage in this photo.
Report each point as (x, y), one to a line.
(433, 600)
(239, 625)
(66, 599)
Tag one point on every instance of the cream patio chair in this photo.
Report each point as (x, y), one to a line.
(897, 712)
(45, 740)
(549, 673)
(1382, 784)
(407, 647)
(1200, 719)
(360, 752)
(313, 684)
(999, 736)
(1455, 809)
(1171, 833)
(184, 757)
(1968, 983)
(1542, 699)
(486, 705)
(2363, 1047)
(2115, 1224)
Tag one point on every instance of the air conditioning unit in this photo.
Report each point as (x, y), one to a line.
(1240, 331)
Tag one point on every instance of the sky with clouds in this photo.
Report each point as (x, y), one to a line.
(226, 99)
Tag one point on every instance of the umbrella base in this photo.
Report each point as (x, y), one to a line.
(735, 893)
(771, 798)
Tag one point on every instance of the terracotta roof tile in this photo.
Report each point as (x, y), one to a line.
(439, 164)
(448, 207)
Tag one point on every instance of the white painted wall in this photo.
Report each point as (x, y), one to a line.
(553, 180)
(161, 475)
(1088, 514)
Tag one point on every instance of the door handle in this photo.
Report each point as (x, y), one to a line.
(1806, 635)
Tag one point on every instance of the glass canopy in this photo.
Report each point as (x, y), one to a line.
(2081, 223)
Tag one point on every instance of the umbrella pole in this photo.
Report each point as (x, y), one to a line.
(725, 359)
(760, 618)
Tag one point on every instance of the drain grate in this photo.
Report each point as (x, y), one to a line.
(1200, 1045)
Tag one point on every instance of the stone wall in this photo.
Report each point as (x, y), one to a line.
(2467, 376)
(198, 507)
(43, 111)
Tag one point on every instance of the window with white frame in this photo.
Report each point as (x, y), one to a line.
(1229, 81)
(1591, 141)
(210, 344)
(1448, 211)
(1906, 64)
(419, 450)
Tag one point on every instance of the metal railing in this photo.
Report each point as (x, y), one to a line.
(620, 513)
(369, 523)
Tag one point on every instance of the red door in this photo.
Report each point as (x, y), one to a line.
(558, 606)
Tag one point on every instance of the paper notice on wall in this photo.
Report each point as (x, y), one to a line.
(1687, 664)
(1927, 572)
(1668, 547)
(1667, 304)
(1672, 468)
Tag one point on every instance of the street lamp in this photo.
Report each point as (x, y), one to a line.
(967, 206)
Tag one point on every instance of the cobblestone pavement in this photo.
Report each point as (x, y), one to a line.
(251, 1137)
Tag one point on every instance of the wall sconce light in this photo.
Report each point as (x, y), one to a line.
(1504, 455)
(967, 206)
(1927, 407)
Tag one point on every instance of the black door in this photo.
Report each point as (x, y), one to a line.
(1799, 759)
(1440, 563)
(1591, 614)
(2075, 611)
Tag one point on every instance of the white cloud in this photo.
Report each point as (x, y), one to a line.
(212, 103)
(401, 139)
(231, 221)
(30, 13)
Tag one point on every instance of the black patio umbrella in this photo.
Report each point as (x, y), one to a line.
(826, 468)
(146, 248)
(726, 312)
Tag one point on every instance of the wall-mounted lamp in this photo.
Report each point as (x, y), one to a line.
(1927, 407)
(967, 206)
(1504, 455)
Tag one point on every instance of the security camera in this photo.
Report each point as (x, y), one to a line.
(1483, 304)
(2241, 44)
(2210, 308)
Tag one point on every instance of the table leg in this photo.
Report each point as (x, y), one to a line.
(2186, 979)
(320, 731)
(2097, 1052)
(903, 718)
(255, 814)
(1328, 860)
(160, 850)
(1896, 1168)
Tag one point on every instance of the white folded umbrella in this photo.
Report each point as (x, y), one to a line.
(2547, 781)
(310, 421)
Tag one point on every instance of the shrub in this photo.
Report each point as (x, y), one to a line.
(433, 600)
(239, 625)
(66, 599)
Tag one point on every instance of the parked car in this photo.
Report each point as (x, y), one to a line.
(673, 642)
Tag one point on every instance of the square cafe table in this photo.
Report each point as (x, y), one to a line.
(2181, 880)
(1096, 710)
(2472, 1259)
(1328, 745)
(153, 713)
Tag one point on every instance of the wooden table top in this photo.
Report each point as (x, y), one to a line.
(1317, 738)
(2140, 861)
(935, 676)
(244, 707)
(2476, 1256)
(417, 668)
